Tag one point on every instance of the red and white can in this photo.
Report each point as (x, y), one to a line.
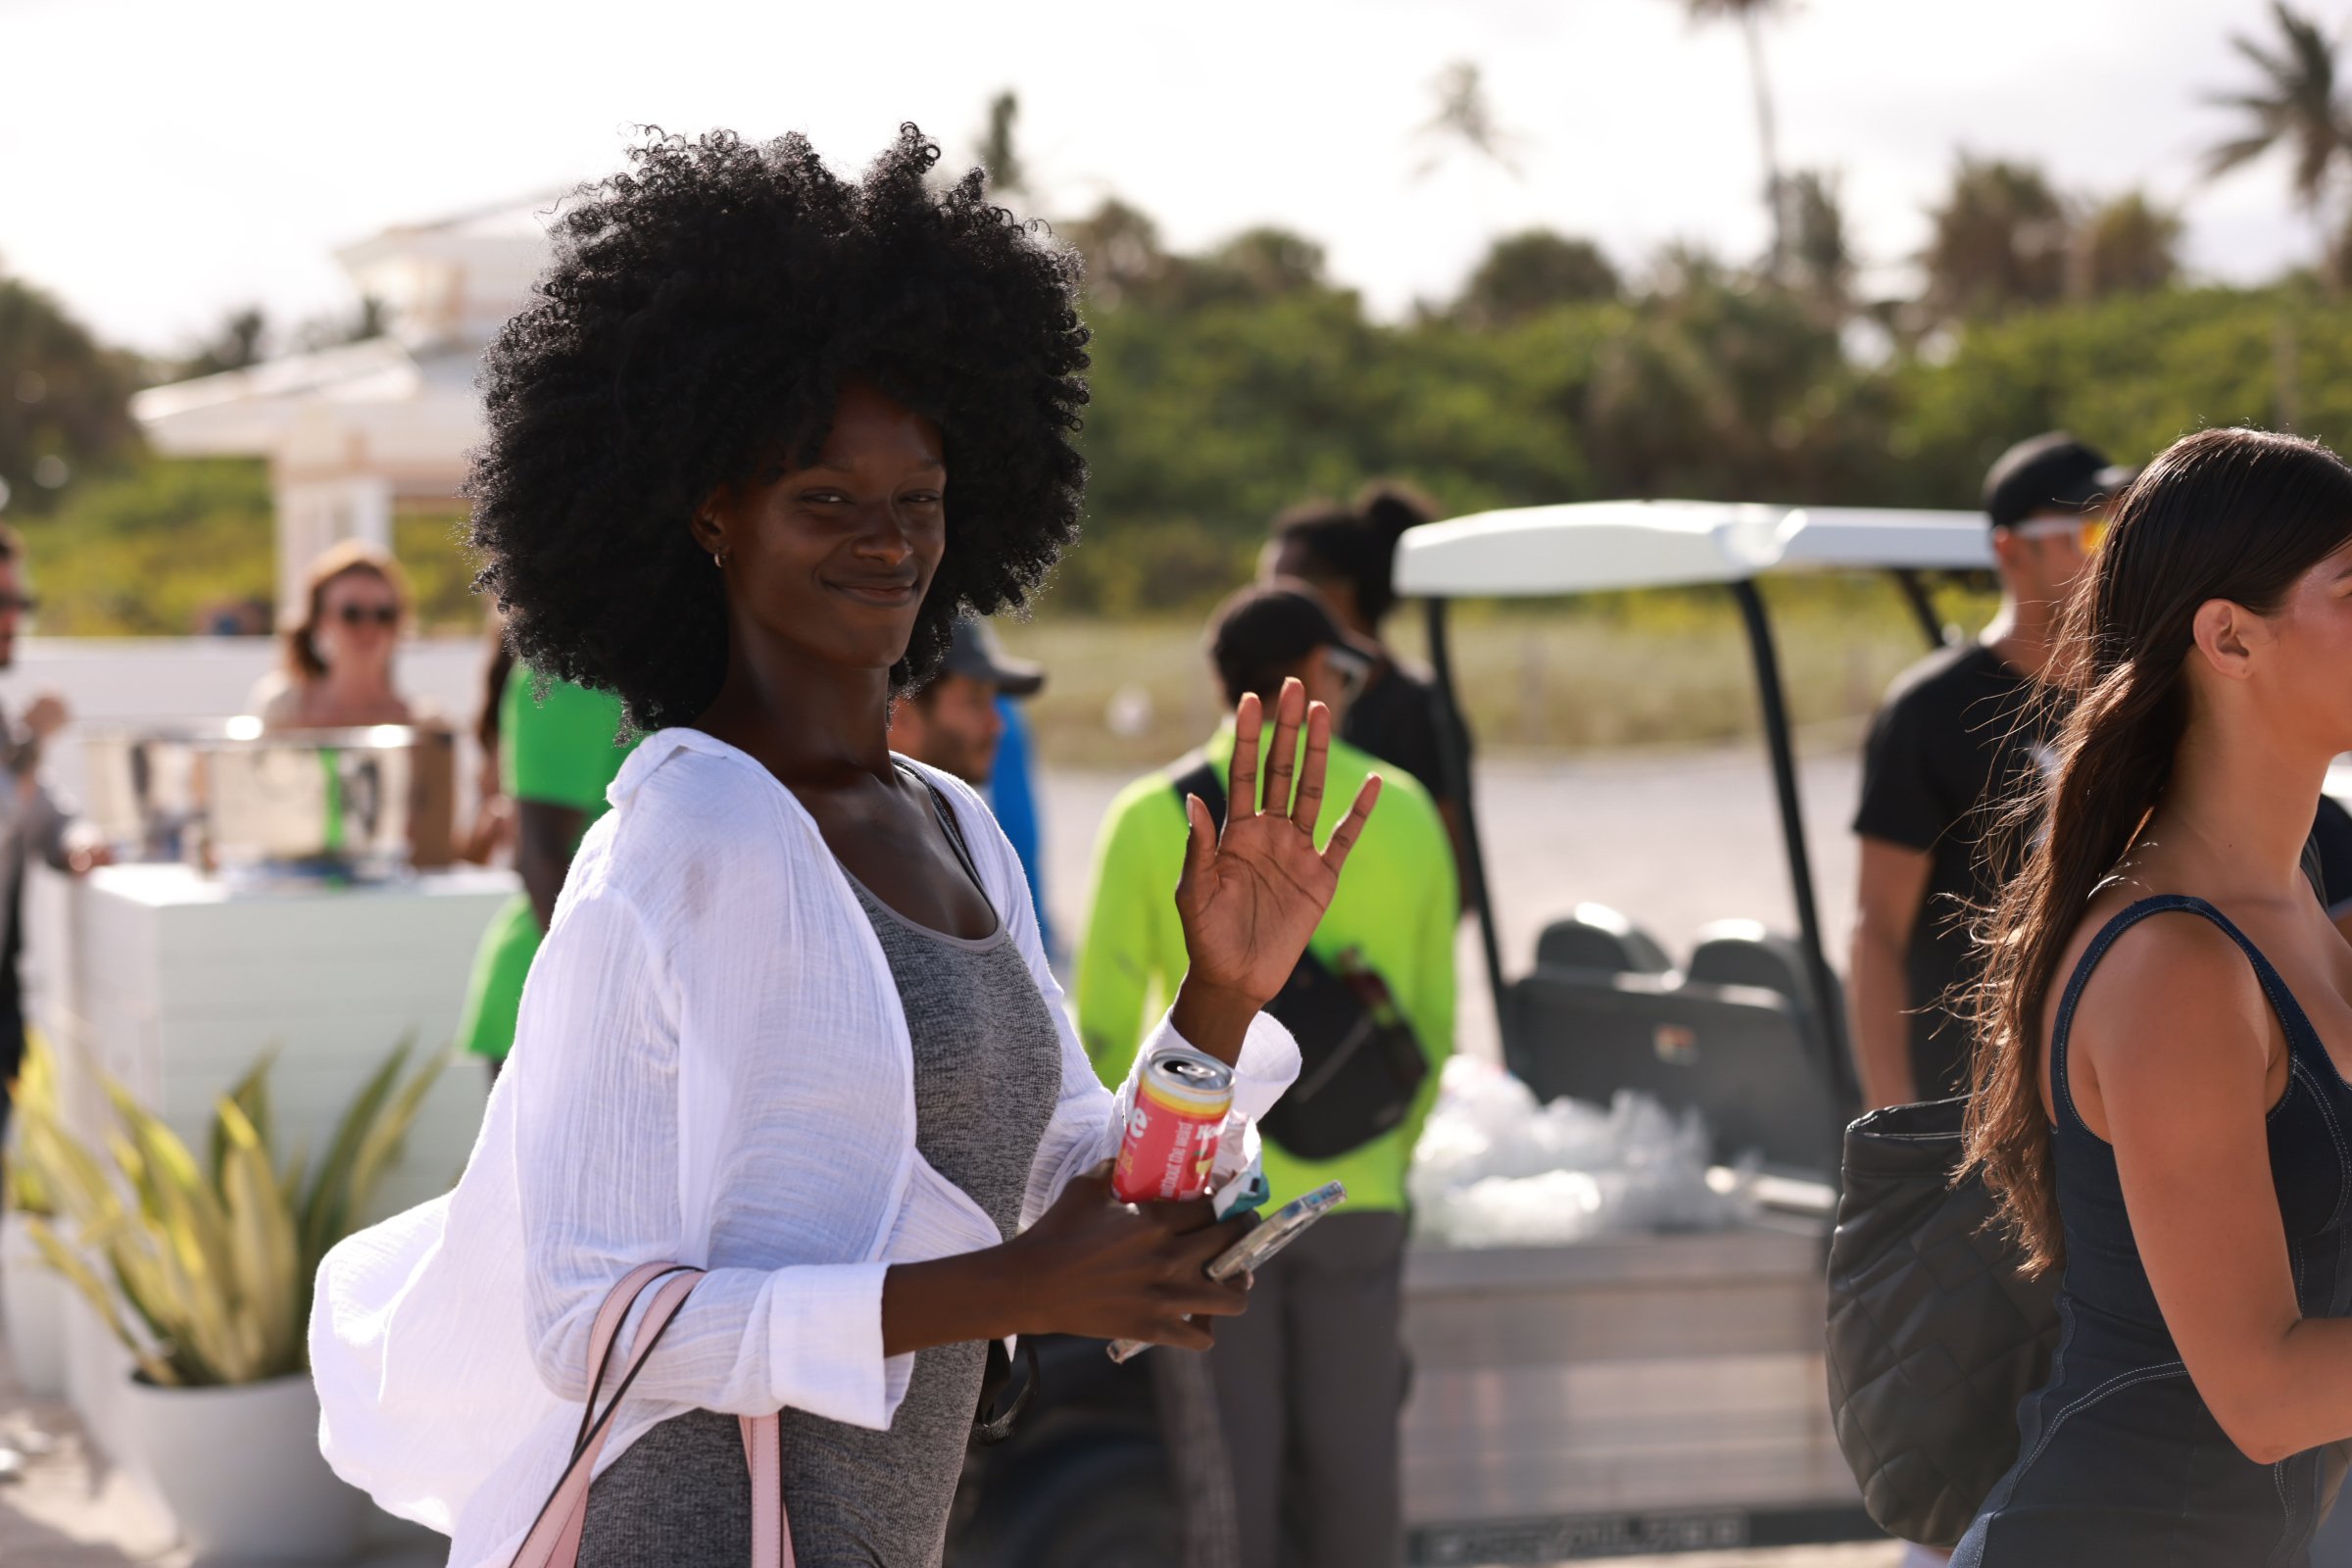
(1181, 1100)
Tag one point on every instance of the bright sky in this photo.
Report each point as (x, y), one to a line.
(163, 161)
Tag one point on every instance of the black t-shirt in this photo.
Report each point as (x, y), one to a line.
(1956, 736)
(1395, 717)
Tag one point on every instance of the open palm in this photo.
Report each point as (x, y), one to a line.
(1249, 900)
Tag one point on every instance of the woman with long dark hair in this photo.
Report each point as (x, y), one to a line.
(2165, 1024)
(761, 436)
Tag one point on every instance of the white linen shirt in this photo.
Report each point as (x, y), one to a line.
(710, 1068)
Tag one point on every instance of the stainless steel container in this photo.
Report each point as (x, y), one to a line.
(140, 785)
(364, 803)
(335, 799)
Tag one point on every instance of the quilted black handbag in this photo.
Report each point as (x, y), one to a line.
(1933, 1336)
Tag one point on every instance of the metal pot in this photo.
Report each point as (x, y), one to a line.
(364, 802)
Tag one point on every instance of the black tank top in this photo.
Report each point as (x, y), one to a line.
(2120, 1461)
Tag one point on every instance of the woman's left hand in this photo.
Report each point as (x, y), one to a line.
(1250, 898)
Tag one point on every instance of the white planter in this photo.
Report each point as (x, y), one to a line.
(241, 1472)
(32, 1301)
(97, 1371)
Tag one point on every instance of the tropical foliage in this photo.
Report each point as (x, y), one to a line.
(204, 1271)
(1234, 378)
(33, 1094)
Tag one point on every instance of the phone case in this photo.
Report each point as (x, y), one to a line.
(1269, 1236)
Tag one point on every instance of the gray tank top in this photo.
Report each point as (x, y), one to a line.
(987, 1075)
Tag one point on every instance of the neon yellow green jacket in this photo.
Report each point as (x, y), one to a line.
(1396, 905)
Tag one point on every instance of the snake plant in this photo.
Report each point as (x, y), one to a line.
(204, 1271)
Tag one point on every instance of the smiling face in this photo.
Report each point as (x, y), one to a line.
(358, 622)
(832, 560)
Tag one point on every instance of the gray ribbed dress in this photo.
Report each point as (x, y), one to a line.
(987, 1074)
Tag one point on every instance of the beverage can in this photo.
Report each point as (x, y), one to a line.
(1181, 1098)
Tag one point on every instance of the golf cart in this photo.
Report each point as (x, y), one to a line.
(1628, 1393)
(1751, 1029)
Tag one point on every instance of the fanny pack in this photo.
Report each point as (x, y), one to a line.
(1359, 1062)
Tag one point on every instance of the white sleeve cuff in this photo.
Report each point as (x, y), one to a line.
(1269, 1063)
(824, 1347)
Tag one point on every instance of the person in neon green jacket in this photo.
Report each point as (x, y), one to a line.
(1308, 1382)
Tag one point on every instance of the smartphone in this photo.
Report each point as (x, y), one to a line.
(1268, 1237)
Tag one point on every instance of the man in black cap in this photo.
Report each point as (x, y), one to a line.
(1955, 732)
(953, 723)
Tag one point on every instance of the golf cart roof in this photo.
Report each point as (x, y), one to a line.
(1586, 547)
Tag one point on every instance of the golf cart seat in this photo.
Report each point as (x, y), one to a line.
(1597, 937)
(1741, 1053)
(1741, 952)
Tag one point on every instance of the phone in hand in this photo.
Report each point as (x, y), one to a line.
(1268, 1237)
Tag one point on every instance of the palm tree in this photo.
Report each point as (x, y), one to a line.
(2000, 240)
(1750, 15)
(998, 153)
(2127, 246)
(1465, 116)
(2295, 107)
(1820, 252)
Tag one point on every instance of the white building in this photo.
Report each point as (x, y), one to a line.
(355, 433)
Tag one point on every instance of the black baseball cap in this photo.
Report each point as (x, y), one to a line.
(972, 651)
(2052, 472)
(1270, 626)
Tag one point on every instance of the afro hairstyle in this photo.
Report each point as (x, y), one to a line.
(702, 312)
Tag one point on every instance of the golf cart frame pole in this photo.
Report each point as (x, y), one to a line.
(1923, 605)
(1772, 697)
(1453, 766)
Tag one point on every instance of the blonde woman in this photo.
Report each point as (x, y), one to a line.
(338, 659)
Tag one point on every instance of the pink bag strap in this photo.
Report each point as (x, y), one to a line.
(554, 1540)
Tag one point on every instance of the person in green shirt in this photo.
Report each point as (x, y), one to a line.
(557, 756)
(1310, 1380)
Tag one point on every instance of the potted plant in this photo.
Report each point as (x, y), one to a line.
(204, 1273)
(33, 1298)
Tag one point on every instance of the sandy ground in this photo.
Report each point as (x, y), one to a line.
(1673, 839)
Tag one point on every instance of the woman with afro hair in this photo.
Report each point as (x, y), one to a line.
(760, 436)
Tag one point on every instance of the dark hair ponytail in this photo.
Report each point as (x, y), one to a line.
(1358, 544)
(2234, 514)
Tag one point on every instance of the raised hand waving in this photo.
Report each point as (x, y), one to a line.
(1250, 899)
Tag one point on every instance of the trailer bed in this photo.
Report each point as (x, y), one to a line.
(1628, 1394)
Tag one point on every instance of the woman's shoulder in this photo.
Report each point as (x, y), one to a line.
(2165, 986)
(690, 822)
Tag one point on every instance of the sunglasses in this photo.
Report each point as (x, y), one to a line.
(2087, 533)
(18, 603)
(1352, 667)
(363, 614)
